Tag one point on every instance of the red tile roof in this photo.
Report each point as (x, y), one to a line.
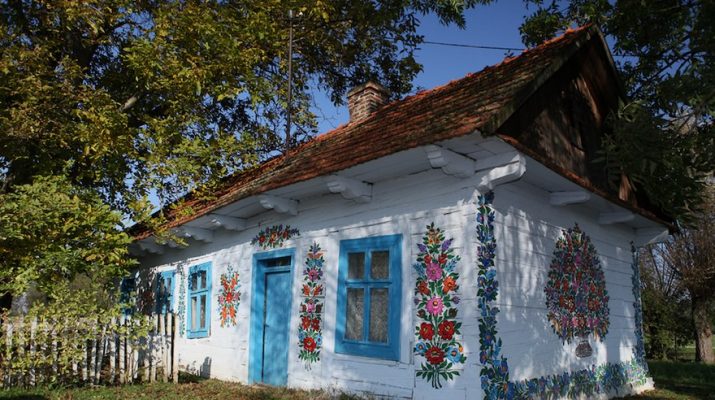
(479, 101)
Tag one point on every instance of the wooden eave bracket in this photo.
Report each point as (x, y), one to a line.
(351, 189)
(226, 222)
(567, 198)
(500, 169)
(200, 234)
(279, 204)
(617, 217)
(450, 162)
(646, 236)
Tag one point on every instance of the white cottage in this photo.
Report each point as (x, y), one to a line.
(456, 244)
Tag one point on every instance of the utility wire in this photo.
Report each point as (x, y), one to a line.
(473, 46)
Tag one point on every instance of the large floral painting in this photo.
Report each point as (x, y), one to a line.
(310, 333)
(576, 294)
(274, 236)
(229, 297)
(436, 299)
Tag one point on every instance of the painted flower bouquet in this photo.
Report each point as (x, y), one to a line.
(274, 236)
(576, 294)
(229, 297)
(436, 298)
(310, 334)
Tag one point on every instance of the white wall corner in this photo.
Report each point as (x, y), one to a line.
(226, 222)
(567, 198)
(610, 218)
(351, 189)
(279, 204)
(450, 162)
(511, 169)
(652, 235)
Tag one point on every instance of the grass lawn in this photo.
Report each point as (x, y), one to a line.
(209, 389)
(680, 381)
(673, 380)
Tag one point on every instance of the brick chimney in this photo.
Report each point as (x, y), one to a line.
(365, 99)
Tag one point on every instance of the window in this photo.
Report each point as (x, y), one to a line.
(164, 292)
(127, 295)
(199, 317)
(369, 290)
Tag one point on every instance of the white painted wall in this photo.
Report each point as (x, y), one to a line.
(526, 231)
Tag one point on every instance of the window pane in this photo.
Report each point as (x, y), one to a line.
(378, 314)
(202, 275)
(193, 313)
(355, 314)
(278, 262)
(203, 312)
(356, 265)
(194, 282)
(380, 265)
(167, 285)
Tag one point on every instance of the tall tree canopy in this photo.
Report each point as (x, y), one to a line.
(663, 137)
(110, 101)
(133, 97)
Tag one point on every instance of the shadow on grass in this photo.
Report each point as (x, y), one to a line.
(185, 377)
(680, 381)
(22, 397)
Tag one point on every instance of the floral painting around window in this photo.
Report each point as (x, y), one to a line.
(576, 294)
(274, 236)
(229, 297)
(494, 375)
(310, 334)
(436, 299)
(181, 304)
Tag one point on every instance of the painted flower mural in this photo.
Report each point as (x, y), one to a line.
(181, 306)
(494, 375)
(310, 334)
(576, 294)
(229, 297)
(435, 297)
(274, 236)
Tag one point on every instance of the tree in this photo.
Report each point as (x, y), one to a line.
(52, 233)
(667, 317)
(663, 137)
(114, 100)
(688, 262)
(134, 97)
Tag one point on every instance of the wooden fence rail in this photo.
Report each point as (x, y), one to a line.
(35, 352)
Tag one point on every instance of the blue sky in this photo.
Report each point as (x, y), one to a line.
(492, 25)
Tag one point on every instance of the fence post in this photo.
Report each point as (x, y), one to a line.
(32, 353)
(174, 352)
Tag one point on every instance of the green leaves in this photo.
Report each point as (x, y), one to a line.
(51, 232)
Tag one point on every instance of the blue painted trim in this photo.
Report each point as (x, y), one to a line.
(258, 272)
(199, 333)
(161, 307)
(391, 349)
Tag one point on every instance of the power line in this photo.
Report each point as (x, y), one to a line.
(473, 46)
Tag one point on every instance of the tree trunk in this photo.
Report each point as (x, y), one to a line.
(703, 331)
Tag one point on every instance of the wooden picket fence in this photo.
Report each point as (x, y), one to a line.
(36, 352)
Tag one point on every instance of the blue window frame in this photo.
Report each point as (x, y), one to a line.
(369, 293)
(164, 292)
(199, 307)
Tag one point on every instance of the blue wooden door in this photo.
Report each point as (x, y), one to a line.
(270, 317)
(275, 328)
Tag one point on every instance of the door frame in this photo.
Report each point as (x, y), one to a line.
(255, 346)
